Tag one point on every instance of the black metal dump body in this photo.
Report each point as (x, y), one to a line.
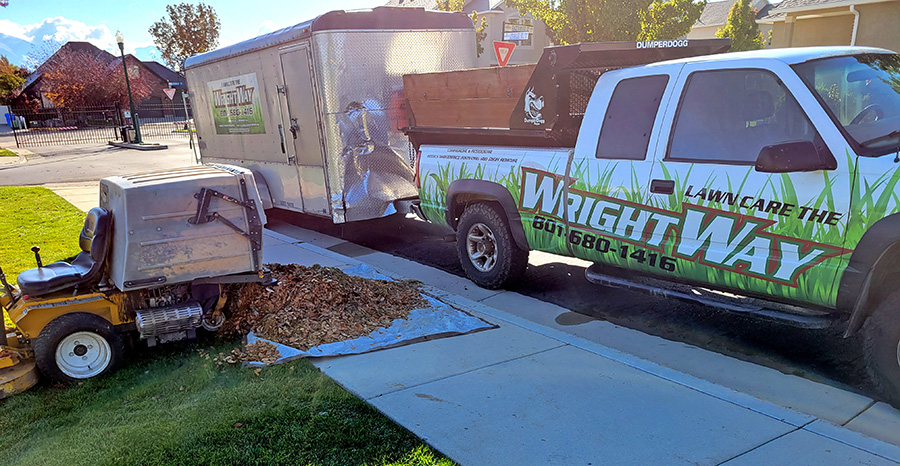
(550, 110)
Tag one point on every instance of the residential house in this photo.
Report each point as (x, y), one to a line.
(505, 24)
(159, 75)
(715, 14)
(797, 23)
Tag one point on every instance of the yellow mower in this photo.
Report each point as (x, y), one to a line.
(154, 256)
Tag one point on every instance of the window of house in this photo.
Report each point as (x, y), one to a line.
(728, 116)
(626, 128)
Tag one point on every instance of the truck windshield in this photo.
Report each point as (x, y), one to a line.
(861, 93)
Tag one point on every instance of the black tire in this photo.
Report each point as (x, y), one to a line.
(509, 260)
(881, 341)
(102, 349)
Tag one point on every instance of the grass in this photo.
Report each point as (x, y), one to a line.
(7, 153)
(171, 405)
(34, 216)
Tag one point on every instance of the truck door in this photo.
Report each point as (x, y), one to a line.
(301, 120)
(769, 234)
(608, 215)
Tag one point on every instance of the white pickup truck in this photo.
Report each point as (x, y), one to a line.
(760, 182)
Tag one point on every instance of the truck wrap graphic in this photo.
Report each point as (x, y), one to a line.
(781, 235)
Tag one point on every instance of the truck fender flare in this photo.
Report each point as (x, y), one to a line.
(858, 278)
(467, 191)
(263, 187)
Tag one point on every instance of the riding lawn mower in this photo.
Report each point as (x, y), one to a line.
(154, 257)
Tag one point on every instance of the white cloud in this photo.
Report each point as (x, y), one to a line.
(61, 30)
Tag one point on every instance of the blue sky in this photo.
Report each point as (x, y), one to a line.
(25, 24)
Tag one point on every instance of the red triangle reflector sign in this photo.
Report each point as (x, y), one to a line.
(503, 50)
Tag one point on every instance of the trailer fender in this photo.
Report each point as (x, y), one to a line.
(263, 187)
(463, 192)
(872, 273)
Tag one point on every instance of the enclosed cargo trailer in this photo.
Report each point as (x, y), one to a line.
(315, 110)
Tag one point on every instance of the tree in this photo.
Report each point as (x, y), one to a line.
(187, 31)
(669, 19)
(11, 77)
(741, 27)
(480, 26)
(76, 79)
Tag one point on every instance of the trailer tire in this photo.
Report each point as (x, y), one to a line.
(487, 251)
(881, 343)
(78, 346)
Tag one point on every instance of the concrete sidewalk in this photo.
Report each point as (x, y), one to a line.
(547, 387)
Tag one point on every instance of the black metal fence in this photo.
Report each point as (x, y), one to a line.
(98, 124)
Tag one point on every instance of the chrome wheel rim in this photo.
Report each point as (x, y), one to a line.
(482, 247)
(82, 355)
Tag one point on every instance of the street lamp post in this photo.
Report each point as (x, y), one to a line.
(134, 116)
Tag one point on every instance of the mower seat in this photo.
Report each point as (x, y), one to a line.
(94, 242)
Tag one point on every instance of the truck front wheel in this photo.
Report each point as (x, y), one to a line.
(881, 339)
(487, 251)
(77, 346)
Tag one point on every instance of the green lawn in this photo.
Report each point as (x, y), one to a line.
(7, 153)
(34, 216)
(171, 405)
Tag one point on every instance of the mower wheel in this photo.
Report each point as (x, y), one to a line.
(78, 346)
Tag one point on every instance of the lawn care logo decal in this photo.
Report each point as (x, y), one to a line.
(723, 240)
(533, 107)
(236, 105)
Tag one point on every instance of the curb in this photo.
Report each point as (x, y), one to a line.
(145, 146)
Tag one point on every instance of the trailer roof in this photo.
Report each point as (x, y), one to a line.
(379, 18)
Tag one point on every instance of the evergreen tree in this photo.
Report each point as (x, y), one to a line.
(741, 27)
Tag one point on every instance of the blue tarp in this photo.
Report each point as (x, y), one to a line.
(438, 320)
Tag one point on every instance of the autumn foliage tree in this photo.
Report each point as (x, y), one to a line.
(78, 79)
(11, 77)
(187, 31)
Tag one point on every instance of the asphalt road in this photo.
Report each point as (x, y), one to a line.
(88, 162)
(821, 355)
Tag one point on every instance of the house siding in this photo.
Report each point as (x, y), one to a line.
(879, 25)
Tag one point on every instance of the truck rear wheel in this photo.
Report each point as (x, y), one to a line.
(881, 339)
(77, 346)
(487, 251)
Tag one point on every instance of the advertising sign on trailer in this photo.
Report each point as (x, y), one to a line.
(236, 106)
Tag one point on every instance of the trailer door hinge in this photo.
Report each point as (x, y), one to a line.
(292, 160)
(279, 89)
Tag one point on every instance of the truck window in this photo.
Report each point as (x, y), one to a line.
(625, 133)
(728, 116)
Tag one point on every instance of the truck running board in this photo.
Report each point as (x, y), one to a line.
(795, 316)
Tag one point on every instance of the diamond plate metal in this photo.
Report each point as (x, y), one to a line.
(360, 80)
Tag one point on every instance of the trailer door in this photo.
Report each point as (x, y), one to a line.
(302, 120)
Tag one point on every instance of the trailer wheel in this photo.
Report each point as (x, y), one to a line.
(881, 340)
(77, 346)
(487, 251)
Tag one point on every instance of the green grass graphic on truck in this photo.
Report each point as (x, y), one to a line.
(772, 245)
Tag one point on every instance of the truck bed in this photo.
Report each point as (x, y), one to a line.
(538, 105)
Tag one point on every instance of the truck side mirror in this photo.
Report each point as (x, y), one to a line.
(795, 156)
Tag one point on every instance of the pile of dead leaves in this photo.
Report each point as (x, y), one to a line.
(312, 306)
(261, 351)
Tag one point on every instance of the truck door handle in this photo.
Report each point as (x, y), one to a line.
(662, 186)
(294, 127)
